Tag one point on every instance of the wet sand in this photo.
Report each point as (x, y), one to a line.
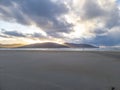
(58, 70)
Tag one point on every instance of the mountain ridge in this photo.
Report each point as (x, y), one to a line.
(56, 45)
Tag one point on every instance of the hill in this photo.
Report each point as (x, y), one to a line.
(56, 45)
(45, 45)
(73, 45)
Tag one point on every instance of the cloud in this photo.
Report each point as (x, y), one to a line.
(109, 38)
(99, 17)
(36, 35)
(43, 13)
(92, 21)
(92, 10)
(14, 33)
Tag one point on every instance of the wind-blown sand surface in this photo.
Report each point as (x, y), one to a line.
(58, 70)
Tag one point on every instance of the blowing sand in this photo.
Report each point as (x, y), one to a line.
(58, 70)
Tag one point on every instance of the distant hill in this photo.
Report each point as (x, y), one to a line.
(56, 45)
(73, 45)
(45, 45)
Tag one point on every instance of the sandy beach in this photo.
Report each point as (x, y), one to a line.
(59, 70)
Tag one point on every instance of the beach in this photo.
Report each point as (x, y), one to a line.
(59, 70)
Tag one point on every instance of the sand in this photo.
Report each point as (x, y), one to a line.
(59, 70)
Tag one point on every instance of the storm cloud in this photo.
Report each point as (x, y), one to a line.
(84, 21)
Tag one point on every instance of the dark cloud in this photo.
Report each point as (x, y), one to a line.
(99, 31)
(5, 2)
(36, 35)
(13, 33)
(42, 8)
(8, 34)
(11, 12)
(113, 18)
(44, 13)
(91, 10)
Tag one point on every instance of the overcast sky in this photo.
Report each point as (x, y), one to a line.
(79, 21)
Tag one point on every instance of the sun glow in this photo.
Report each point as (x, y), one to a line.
(79, 29)
(43, 40)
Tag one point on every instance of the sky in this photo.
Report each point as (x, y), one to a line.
(94, 22)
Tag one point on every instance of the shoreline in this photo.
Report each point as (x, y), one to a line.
(62, 49)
